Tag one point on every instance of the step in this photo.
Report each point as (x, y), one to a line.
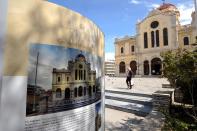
(137, 109)
(128, 93)
(166, 86)
(129, 98)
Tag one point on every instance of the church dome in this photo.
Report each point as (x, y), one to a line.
(167, 6)
(80, 57)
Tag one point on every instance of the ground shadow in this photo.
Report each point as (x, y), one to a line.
(125, 125)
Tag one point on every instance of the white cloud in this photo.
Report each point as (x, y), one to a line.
(185, 9)
(109, 56)
(147, 4)
(134, 2)
(152, 6)
(185, 12)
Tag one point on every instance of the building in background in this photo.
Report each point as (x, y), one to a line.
(110, 67)
(159, 31)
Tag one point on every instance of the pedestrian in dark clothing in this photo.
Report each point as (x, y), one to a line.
(129, 76)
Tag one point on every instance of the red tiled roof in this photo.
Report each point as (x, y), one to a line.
(165, 6)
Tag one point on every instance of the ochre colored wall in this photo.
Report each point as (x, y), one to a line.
(38, 21)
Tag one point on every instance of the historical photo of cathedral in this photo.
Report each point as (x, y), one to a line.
(61, 79)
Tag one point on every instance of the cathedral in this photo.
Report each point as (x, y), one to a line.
(77, 82)
(158, 32)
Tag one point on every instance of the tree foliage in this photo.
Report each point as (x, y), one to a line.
(180, 68)
(180, 64)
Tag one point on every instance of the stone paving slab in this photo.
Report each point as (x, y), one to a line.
(123, 121)
(153, 122)
(120, 121)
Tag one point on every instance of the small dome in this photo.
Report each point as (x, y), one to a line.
(80, 57)
(167, 6)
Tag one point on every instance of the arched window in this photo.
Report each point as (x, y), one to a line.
(145, 40)
(165, 36)
(122, 50)
(67, 78)
(122, 67)
(75, 91)
(80, 91)
(59, 79)
(76, 73)
(81, 74)
(133, 65)
(146, 67)
(156, 66)
(67, 93)
(58, 93)
(157, 38)
(94, 88)
(152, 38)
(90, 91)
(186, 40)
(84, 74)
(132, 48)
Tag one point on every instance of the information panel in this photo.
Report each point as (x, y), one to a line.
(52, 69)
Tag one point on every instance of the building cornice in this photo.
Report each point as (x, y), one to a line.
(125, 38)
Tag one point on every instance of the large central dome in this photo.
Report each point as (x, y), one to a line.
(167, 6)
(80, 57)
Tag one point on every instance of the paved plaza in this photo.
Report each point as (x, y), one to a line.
(132, 109)
(141, 85)
(120, 121)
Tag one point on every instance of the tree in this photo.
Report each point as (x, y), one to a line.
(180, 68)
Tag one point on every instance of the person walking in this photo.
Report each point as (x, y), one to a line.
(129, 76)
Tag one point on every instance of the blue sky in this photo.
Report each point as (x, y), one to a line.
(117, 18)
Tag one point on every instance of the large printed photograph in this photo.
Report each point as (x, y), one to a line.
(61, 79)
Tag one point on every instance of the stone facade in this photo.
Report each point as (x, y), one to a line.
(78, 81)
(159, 31)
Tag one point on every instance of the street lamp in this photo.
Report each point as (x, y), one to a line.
(35, 86)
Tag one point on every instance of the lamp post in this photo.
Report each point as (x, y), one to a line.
(35, 86)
